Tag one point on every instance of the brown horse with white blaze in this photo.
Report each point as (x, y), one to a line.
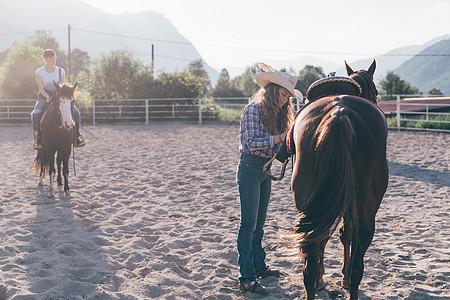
(340, 172)
(58, 133)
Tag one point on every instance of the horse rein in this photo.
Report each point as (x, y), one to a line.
(283, 169)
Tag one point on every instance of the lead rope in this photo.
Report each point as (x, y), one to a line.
(73, 156)
(283, 169)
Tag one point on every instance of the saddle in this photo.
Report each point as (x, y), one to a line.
(328, 86)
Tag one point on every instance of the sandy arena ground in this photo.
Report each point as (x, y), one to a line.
(154, 213)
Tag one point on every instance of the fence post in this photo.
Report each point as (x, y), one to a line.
(200, 111)
(146, 111)
(398, 112)
(93, 111)
(427, 111)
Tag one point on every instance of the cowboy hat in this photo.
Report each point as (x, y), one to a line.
(298, 95)
(270, 75)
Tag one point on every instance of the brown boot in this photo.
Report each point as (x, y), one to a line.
(37, 144)
(79, 141)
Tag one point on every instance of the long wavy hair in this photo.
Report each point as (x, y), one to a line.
(272, 116)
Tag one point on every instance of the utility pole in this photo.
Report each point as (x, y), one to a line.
(68, 52)
(153, 61)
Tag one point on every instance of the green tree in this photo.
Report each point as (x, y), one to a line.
(435, 91)
(46, 40)
(192, 82)
(307, 76)
(392, 84)
(116, 76)
(247, 81)
(3, 55)
(198, 73)
(223, 87)
(17, 79)
(79, 62)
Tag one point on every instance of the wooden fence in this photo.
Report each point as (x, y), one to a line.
(201, 110)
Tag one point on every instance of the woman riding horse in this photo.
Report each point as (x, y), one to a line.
(44, 78)
(57, 136)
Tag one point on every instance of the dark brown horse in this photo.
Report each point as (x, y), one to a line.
(58, 133)
(340, 172)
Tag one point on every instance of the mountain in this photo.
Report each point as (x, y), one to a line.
(97, 32)
(387, 62)
(429, 69)
(390, 60)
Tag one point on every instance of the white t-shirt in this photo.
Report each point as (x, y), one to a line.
(48, 77)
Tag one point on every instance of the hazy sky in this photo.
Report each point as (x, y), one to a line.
(236, 32)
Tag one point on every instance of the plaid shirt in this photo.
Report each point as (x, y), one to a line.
(255, 138)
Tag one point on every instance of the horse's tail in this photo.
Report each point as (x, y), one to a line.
(334, 194)
(40, 163)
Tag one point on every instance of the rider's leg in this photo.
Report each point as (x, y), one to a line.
(80, 141)
(36, 116)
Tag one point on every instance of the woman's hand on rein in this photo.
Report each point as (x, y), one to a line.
(280, 138)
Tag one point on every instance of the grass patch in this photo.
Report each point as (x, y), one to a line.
(437, 122)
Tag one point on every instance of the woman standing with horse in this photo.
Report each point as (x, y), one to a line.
(44, 78)
(264, 123)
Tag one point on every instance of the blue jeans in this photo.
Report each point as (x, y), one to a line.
(254, 193)
(39, 109)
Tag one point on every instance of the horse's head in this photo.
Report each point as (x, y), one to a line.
(365, 80)
(65, 97)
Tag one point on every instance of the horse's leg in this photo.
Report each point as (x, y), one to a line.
(51, 171)
(311, 274)
(345, 235)
(58, 164)
(366, 231)
(41, 176)
(40, 166)
(66, 174)
(320, 284)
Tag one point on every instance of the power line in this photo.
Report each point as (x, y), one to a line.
(256, 49)
(148, 54)
(131, 37)
(233, 47)
(28, 32)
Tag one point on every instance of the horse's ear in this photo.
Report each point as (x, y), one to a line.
(56, 85)
(75, 85)
(349, 70)
(372, 67)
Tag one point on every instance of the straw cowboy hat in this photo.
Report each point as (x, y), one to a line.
(270, 75)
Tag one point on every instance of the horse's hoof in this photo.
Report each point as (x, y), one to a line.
(320, 285)
(345, 284)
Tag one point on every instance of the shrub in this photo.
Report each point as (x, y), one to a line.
(435, 125)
